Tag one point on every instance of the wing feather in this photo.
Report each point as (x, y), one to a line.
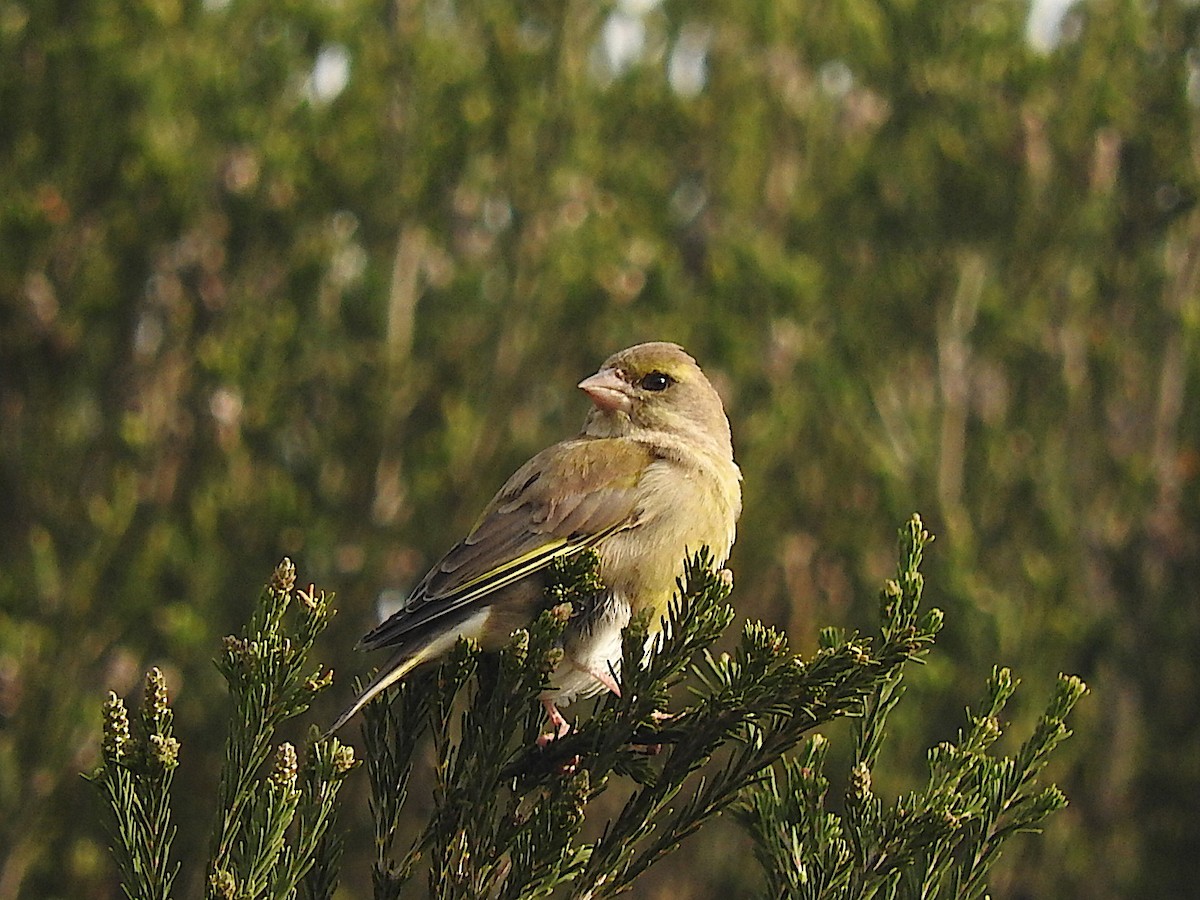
(568, 497)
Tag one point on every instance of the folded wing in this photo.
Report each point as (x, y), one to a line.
(568, 497)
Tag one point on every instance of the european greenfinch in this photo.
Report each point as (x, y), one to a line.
(648, 481)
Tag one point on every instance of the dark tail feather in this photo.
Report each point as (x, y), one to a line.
(391, 672)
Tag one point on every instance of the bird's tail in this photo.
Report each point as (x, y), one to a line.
(389, 673)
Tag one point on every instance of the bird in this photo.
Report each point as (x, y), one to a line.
(648, 481)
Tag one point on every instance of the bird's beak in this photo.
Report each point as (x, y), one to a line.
(607, 391)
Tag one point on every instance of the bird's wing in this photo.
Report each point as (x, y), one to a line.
(566, 498)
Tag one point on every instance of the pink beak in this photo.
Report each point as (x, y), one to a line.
(607, 391)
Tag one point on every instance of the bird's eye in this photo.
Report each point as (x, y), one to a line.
(656, 381)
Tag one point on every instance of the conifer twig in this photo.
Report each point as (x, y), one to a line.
(742, 712)
(134, 778)
(272, 830)
(936, 842)
(270, 682)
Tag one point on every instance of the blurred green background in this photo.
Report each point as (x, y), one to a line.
(311, 277)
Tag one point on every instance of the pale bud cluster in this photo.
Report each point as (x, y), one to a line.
(164, 751)
(223, 884)
(860, 781)
(343, 759)
(116, 728)
(283, 579)
(154, 698)
(283, 773)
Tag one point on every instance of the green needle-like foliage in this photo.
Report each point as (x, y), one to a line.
(134, 778)
(693, 734)
(272, 828)
(936, 842)
(270, 682)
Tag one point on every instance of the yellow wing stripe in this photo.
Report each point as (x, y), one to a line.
(513, 571)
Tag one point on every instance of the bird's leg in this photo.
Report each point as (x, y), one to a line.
(560, 725)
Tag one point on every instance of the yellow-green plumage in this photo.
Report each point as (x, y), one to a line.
(650, 480)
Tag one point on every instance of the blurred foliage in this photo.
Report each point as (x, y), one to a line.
(312, 277)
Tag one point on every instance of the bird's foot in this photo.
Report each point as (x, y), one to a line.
(560, 725)
(659, 716)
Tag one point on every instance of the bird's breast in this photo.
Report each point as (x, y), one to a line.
(681, 508)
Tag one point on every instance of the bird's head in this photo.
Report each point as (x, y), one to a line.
(656, 388)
